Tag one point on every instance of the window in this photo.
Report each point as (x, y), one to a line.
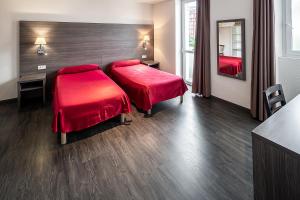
(189, 12)
(292, 28)
(236, 40)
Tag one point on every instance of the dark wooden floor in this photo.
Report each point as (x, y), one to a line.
(198, 150)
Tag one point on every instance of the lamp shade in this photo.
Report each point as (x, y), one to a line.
(40, 41)
(147, 38)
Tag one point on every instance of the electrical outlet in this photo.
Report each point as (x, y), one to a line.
(144, 56)
(42, 67)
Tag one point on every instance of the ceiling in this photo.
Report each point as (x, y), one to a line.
(149, 1)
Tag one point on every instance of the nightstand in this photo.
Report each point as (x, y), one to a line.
(32, 83)
(151, 63)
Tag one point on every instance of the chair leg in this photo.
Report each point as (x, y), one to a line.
(181, 99)
(63, 138)
(122, 118)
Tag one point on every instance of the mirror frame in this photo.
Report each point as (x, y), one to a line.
(243, 74)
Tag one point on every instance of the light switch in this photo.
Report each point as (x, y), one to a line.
(42, 67)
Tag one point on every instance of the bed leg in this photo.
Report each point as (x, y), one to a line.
(122, 118)
(63, 138)
(149, 112)
(181, 99)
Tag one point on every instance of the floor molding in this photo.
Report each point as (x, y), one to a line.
(6, 101)
(244, 108)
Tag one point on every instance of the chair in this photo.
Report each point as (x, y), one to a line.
(274, 99)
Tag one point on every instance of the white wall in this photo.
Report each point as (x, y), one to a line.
(288, 69)
(164, 19)
(99, 11)
(229, 89)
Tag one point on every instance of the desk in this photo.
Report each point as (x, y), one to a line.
(276, 155)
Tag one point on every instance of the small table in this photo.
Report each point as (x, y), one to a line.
(151, 63)
(31, 82)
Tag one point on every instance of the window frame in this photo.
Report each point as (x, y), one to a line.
(288, 31)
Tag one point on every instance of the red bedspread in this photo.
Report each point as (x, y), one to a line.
(84, 99)
(146, 86)
(230, 65)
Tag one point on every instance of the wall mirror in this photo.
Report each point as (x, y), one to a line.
(231, 48)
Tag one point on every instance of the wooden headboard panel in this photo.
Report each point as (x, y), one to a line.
(71, 43)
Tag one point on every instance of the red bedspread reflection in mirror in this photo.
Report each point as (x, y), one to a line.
(230, 65)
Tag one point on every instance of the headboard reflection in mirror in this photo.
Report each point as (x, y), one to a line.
(231, 48)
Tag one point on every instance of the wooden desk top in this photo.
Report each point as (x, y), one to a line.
(283, 128)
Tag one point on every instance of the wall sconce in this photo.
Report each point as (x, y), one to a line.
(41, 49)
(146, 41)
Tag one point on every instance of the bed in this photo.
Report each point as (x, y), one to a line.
(230, 65)
(144, 85)
(84, 96)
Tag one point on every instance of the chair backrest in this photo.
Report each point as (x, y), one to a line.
(274, 99)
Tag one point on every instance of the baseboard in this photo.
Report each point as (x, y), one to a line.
(8, 101)
(244, 108)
